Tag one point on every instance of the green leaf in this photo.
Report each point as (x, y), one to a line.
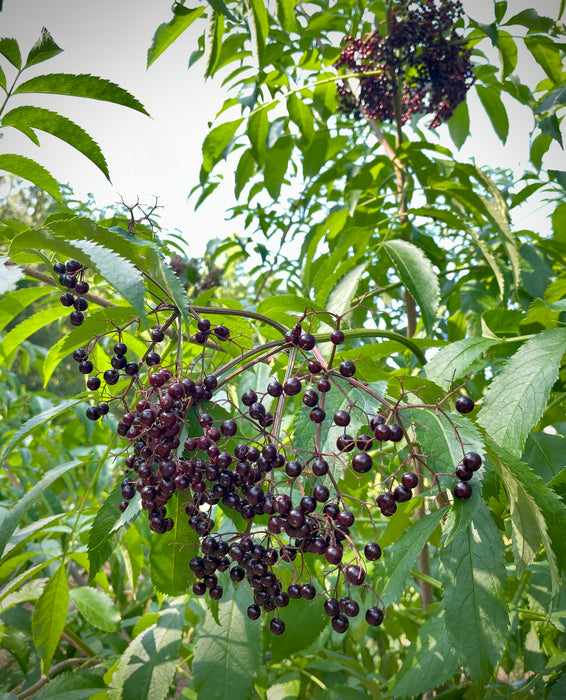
(302, 116)
(538, 516)
(257, 131)
(71, 686)
(258, 22)
(545, 454)
(147, 667)
(431, 661)
(517, 397)
(507, 51)
(213, 42)
(108, 529)
(495, 109)
(216, 141)
(553, 101)
(19, 300)
(96, 607)
(2, 78)
(220, 6)
(416, 273)
(172, 551)
(125, 278)
(14, 516)
(548, 55)
(436, 434)
(10, 50)
(459, 125)
(276, 163)
(49, 616)
(402, 558)
(60, 127)
(473, 565)
(14, 338)
(245, 170)
(28, 169)
(168, 281)
(43, 49)
(168, 32)
(452, 362)
(340, 298)
(531, 19)
(83, 85)
(228, 656)
(303, 625)
(286, 15)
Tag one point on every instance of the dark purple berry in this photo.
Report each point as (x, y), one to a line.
(277, 626)
(67, 299)
(340, 623)
(347, 368)
(409, 480)
(464, 404)
(463, 490)
(472, 461)
(93, 383)
(355, 574)
(372, 551)
(76, 318)
(362, 463)
(292, 386)
(374, 616)
(337, 337)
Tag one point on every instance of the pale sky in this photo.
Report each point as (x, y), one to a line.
(161, 156)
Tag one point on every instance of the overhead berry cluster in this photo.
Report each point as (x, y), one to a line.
(422, 62)
(71, 276)
(290, 531)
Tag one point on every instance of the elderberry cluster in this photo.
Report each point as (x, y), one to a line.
(71, 277)
(422, 56)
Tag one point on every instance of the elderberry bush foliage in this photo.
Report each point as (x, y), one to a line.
(419, 61)
(266, 507)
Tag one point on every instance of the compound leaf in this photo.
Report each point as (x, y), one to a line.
(11, 51)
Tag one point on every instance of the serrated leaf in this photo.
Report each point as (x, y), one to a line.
(19, 300)
(15, 337)
(43, 49)
(168, 32)
(147, 667)
(473, 565)
(28, 169)
(96, 607)
(495, 109)
(83, 85)
(452, 362)
(168, 281)
(548, 55)
(286, 15)
(60, 127)
(71, 686)
(545, 454)
(402, 558)
(172, 551)
(258, 23)
(436, 434)
(125, 277)
(108, 529)
(517, 397)
(228, 656)
(10, 50)
(49, 616)
(213, 42)
(12, 518)
(416, 273)
(538, 516)
(430, 662)
(340, 298)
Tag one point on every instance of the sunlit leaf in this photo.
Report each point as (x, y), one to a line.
(168, 32)
(28, 169)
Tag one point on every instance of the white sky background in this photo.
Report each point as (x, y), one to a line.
(160, 157)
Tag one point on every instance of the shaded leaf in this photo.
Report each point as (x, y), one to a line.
(147, 667)
(216, 141)
(517, 397)
(276, 163)
(19, 300)
(301, 115)
(340, 298)
(43, 49)
(96, 607)
(495, 109)
(14, 338)
(28, 169)
(60, 127)
(108, 528)
(83, 85)
(545, 454)
(538, 516)
(172, 551)
(168, 32)
(228, 656)
(431, 661)
(459, 125)
(49, 616)
(14, 516)
(473, 566)
(416, 273)
(402, 558)
(213, 42)
(71, 686)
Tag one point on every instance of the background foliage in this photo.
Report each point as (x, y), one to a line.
(95, 605)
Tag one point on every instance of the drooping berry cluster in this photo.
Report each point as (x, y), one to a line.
(71, 277)
(421, 66)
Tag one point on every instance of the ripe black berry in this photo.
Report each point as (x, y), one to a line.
(73, 266)
(464, 404)
(254, 611)
(86, 367)
(409, 480)
(331, 607)
(306, 341)
(111, 376)
(321, 493)
(320, 467)
(76, 318)
(463, 473)
(292, 386)
(275, 388)
(152, 359)
(374, 616)
(337, 337)
(81, 287)
(395, 433)
(355, 574)
(462, 490)
(372, 551)
(362, 463)
(310, 398)
(323, 385)
(277, 626)
(67, 299)
(93, 383)
(340, 623)
(221, 332)
(249, 397)
(342, 418)
(59, 268)
(317, 415)
(308, 591)
(120, 349)
(472, 461)
(80, 304)
(92, 413)
(382, 432)
(347, 368)
(345, 443)
(157, 335)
